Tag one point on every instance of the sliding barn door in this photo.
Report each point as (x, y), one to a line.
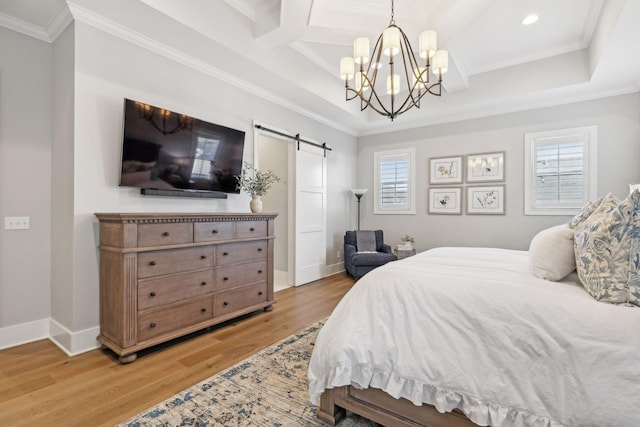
(311, 214)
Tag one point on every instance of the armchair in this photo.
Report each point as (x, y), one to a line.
(357, 263)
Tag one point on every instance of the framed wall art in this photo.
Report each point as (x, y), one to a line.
(485, 167)
(445, 201)
(445, 170)
(487, 200)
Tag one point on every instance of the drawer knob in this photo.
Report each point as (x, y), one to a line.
(225, 278)
(203, 283)
(259, 249)
(252, 229)
(259, 271)
(204, 310)
(214, 231)
(225, 303)
(203, 257)
(225, 253)
(152, 324)
(152, 263)
(166, 234)
(152, 294)
(260, 293)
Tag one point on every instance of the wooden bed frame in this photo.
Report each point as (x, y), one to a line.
(376, 405)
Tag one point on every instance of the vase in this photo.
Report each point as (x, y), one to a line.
(256, 204)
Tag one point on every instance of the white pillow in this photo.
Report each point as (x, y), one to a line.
(551, 253)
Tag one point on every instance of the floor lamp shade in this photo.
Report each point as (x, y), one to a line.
(359, 192)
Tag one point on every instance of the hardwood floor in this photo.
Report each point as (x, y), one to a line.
(40, 385)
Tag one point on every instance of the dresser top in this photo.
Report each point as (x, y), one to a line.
(146, 217)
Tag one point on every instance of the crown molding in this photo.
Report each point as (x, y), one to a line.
(58, 24)
(97, 21)
(24, 27)
(49, 34)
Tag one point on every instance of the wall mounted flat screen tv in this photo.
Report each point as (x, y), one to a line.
(164, 150)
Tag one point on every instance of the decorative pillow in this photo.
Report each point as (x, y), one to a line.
(551, 254)
(585, 212)
(607, 246)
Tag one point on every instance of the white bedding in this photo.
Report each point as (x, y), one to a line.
(471, 328)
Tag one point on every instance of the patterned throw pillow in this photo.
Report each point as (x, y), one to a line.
(608, 252)
(586, 212)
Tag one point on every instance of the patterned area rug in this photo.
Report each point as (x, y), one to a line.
(267, 389)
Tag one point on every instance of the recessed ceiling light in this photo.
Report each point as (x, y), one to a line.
(529, 19)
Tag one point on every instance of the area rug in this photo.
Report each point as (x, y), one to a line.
(267, 389)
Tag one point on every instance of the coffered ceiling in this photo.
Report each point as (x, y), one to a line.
(289, 50)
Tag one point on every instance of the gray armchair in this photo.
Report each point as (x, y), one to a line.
(359, 264)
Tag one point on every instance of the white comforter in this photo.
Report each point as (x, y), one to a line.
(470, 328)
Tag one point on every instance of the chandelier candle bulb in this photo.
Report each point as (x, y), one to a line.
(361, 50)
(391, 41)
(427, 43)
(440, 62)
(346, 68)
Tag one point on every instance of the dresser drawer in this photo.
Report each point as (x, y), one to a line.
(240, 274)
(157, 322)
(164, 234)
(234, 253)
(167, 290)
(230, 301)
(212, 231)
(247, 229)
(156, 263)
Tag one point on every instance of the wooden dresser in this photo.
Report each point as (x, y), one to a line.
(166, 275)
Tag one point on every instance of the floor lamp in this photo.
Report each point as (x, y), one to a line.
(359, 192)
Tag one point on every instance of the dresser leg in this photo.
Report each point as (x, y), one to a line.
(128, 358)
(268, 308)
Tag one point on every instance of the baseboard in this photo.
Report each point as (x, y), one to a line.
(24, 333)
(335, 268)
(72, 343)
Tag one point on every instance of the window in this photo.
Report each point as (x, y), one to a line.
(560, 170)
(394, 181)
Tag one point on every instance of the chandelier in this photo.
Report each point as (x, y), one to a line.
(166, 122)
(405, 74)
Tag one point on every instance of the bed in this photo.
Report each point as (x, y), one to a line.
(468, 336)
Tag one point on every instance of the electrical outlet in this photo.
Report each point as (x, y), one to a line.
(338, 255)
(17, 223)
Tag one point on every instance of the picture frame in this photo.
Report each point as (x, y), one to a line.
(445, 170)
(486, 200)
(485, 167)
(445, 201)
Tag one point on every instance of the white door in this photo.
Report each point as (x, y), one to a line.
(311, 214)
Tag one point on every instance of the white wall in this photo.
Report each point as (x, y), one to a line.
(25, 185)
(618, 121)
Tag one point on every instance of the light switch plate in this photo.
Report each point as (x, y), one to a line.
(17, 223)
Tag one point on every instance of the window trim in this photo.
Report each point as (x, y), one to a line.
(589, 135)
(377, 157)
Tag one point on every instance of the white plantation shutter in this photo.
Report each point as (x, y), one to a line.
(394, 187)
(559, 171)
(394, 181)
(560, 174)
